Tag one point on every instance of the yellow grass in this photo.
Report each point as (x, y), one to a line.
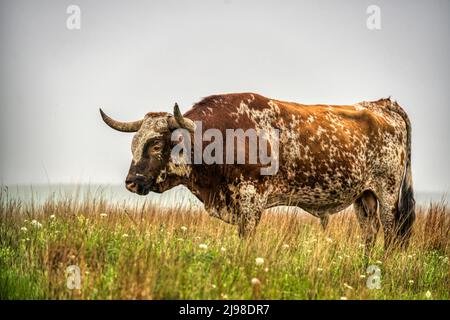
(146, 252)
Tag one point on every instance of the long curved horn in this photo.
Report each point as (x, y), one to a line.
(178, 121)
(121, 126)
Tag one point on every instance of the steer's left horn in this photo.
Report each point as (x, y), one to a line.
(121, 126)
(178, 121)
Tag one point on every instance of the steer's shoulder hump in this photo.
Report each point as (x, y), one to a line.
(227, 102)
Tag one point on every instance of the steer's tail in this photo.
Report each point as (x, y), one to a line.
(406, 204)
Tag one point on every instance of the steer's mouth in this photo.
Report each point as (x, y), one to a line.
(144, 191)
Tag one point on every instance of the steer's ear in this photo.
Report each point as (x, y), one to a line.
(177, 121)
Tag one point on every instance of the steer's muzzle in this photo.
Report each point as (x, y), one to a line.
(137, 184)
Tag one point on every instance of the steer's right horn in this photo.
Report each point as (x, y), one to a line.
(178, 121)
(121, 126)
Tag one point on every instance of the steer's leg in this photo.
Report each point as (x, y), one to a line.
(249, 222)
(388, 210)
(250, 207)
(324, 221)
(365, 208)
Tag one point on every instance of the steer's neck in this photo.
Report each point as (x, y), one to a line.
(187, 175)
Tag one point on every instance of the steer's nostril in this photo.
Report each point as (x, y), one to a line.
(131, 186)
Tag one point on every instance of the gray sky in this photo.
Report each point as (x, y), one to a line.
(131, 57)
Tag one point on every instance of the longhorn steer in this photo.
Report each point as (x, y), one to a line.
(329, 158)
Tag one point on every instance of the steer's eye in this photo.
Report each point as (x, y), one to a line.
(152, 147)
(156, 148)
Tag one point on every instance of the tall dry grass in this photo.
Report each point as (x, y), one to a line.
(145, 252)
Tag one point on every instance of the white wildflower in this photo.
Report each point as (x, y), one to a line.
(348, 286)
(52, 216)
(259, 261)
(428, 294)
(410, 281)
(24, 229)
(255, 282)
(203, 246)
(183, 228)
(344, 298)
(223, 249)
(36, 223)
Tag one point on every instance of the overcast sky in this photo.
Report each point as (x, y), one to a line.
(131, 57)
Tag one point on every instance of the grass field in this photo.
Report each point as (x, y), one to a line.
(150, 253)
